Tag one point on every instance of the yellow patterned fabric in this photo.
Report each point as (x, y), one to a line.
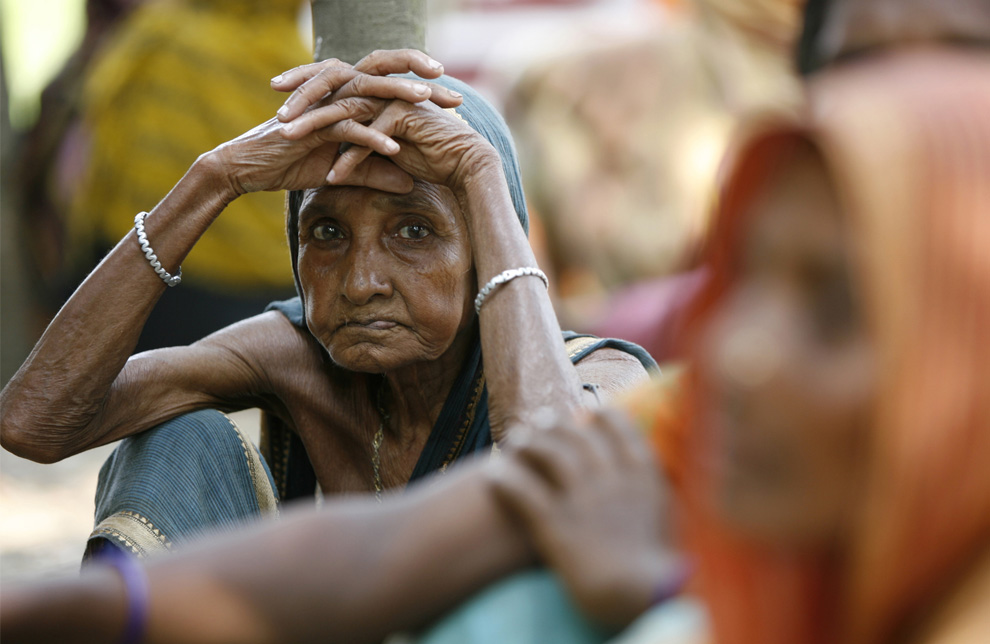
(177, 79)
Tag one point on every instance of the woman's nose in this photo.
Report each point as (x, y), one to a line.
(366, 277)
(747, 341)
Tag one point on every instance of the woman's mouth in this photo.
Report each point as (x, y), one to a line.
(375, 325)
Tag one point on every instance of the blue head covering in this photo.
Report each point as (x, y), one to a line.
(486, 121)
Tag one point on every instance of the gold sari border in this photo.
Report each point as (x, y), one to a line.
(134, 532)
(263, 492)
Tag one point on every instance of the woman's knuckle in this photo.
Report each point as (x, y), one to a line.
(360, 84)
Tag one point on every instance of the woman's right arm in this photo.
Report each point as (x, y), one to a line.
(78, 374)
(53, 404)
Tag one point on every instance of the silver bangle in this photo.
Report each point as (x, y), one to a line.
(504, 277)
(171, 280)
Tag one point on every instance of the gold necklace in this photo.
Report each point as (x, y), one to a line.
(376, 445)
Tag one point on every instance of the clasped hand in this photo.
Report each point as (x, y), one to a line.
(338, 115)
(590, 496)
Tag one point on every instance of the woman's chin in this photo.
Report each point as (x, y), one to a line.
(362, 363)
(366, 358)
(775, 517)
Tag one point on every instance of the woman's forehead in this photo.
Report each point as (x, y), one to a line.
(798, 207)
(424, 198)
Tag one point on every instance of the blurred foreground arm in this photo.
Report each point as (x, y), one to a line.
(589, 493)
(353, 572)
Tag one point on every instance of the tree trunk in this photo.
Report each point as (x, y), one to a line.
(351, 29)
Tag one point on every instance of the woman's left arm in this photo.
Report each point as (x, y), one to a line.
(526, 361)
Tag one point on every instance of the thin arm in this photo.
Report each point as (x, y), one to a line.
(353, 571)
(52, 406)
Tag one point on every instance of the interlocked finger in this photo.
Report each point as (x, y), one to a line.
(384, 125)
(293, 78)
(399, 61)
(406, 89)
(346, 163)
(388, 87)
(352, 132)
(362, 110)
(327, 80)
(380, 174)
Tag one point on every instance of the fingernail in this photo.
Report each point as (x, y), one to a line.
(278, 79)
(282, 111)
(435, 64)
(332, 176)
(289, 128)
(455, 94)
(420, 89)
(391, 146)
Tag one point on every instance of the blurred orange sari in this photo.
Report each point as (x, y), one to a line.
(907, 138)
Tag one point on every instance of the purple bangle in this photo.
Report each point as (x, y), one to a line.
(673, 584)
(136, 592)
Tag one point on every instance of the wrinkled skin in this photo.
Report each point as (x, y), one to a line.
(387, 279)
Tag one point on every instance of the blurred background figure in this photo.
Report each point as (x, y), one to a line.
(838, 467)
(37, 162)
(159, 82)
(622, 110)
(623, 137)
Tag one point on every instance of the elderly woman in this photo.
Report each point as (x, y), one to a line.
(422, 332)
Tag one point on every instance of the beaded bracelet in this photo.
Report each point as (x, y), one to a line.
(136, 592)
(171, 280)
(505, 276)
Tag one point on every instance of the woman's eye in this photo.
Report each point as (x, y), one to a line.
(833, 306)
(327, 232)
(414, 231)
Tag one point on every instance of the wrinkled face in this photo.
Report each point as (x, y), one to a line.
(387, 279)
(788, 364)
